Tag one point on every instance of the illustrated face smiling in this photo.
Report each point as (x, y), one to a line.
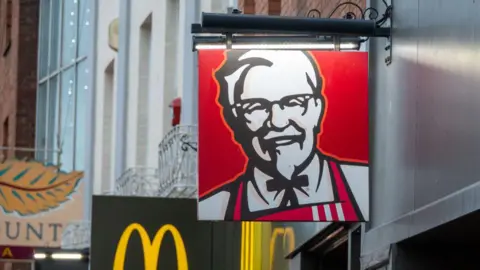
(281, 113)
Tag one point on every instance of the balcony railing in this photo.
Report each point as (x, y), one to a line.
(138, 181)
(176, 175)
(177, 162)
(76, 235)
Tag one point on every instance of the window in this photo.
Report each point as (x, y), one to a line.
(64, 80)
(108, 118)
(143, 90)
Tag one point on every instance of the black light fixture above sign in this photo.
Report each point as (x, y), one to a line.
(240, 31)
(275, 42)
(284, 24)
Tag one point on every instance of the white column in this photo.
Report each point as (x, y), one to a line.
(187, 70)
(122, 88)
(90, 127)
(157, 82)
(181, 39)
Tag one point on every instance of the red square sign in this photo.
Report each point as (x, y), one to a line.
(283, 135)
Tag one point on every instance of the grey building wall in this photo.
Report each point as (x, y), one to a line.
(424, 149)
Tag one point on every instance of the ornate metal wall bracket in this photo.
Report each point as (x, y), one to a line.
(370, 13)
(363, 24)
(388, 22)
(7, 48)
(187, 143)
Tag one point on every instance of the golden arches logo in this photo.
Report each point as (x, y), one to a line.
(288, 241)
(259, 236)
(151, 249)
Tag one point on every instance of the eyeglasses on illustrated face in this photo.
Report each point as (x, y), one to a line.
(249, 106)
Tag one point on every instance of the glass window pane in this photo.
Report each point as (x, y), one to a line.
(83, 87)
(67, 117)
(69, 41)
(44, 37)
(55, 35)
(84, 26)
(40, 125)
(52, 120)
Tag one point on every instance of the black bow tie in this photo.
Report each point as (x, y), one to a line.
(281, 183)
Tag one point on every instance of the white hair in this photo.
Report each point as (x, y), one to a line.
(283, 59)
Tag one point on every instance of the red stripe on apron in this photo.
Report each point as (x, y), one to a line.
(333, 210)
(237, 212)
(348, 211)
(321, 213)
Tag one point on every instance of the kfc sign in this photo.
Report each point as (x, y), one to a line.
(283, 135)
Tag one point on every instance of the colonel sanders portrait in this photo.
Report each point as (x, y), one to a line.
(273, 102)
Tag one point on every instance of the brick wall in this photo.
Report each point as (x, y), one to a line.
(18, 73)
(298, 7)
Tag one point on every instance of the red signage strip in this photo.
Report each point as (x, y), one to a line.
(16, 253)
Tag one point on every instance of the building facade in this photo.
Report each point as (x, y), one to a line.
(64, 108)
(144, 62)
(105, 83)
(18, 46)
(423, 133)
(45, 60)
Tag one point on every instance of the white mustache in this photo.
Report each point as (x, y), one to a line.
(289, 131)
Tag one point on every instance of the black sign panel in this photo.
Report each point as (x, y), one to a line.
(135, 233)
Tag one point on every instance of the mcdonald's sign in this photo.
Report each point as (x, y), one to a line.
(287, 235)
(157, 233)
(258, 238)
(151, 248)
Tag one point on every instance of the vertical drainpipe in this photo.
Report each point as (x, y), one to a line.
(196, 19)
(90, 109)
(189, 74)
(122, 88)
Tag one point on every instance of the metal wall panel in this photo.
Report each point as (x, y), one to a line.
(425, 110)
(393, 90)
(447, 98)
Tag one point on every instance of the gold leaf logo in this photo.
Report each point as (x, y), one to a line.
(30, 187)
